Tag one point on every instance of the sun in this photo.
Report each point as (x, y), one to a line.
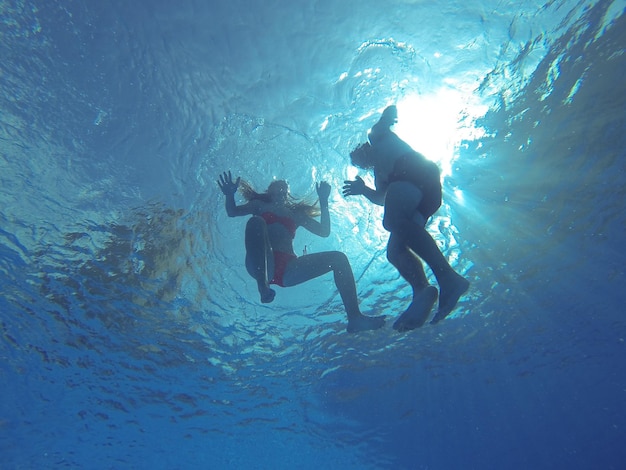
(435, 124)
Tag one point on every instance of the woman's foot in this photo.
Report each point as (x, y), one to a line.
(267, 295)
(364, 323)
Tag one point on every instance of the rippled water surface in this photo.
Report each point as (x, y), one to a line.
(132, 336)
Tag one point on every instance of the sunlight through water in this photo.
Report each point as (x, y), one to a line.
(435, 124)
(132, 334)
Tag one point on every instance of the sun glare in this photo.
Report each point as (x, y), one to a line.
(435, 124)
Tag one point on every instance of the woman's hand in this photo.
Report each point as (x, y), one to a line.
(354, 188)
(323, 191)
(227, 185)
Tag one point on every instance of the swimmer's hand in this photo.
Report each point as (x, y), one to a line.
(227, 185)
(323, 191)
(354, 188)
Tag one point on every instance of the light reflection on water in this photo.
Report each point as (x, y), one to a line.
(121, 316)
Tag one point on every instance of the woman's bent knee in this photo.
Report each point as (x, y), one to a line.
(255, 222)
(338, 260)
(338, 256)
(255, 226)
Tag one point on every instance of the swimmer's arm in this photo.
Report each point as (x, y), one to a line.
(233, 210)
(378, 133)
(321, 228)
(358, 187)
(323, 191)
(229, 188)
(382, 128)
(324, 219)
(375, 196)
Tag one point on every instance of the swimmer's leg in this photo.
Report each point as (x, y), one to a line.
(451, 284)
(362, 322)
(260, 257)
(314, 265)
(454, 290)
(411, 269)
(402, 219)
(417, 313)
(408, 265)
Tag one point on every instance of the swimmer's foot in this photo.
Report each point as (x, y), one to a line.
(417, 313)
(267, 295)
(364, 323)
(450, 295)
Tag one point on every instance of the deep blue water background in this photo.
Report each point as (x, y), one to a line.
(132, 336)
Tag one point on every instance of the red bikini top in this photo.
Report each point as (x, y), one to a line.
(289, 224)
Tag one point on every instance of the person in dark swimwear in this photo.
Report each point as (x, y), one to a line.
(270, 258)
(409, 187)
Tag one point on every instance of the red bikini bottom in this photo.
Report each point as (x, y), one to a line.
(280, 264)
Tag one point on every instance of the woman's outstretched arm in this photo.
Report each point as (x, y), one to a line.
(321, 228)
(229, 188)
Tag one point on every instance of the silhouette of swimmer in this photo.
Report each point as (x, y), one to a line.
(409, 187)
(270, 258)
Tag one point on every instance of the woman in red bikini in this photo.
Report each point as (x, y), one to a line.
(270, 231)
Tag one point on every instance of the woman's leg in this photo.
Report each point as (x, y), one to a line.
(259, 257)
(314, 265)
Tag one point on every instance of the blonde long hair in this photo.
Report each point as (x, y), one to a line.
(297, 205)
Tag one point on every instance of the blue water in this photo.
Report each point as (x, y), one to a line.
(132, 336)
